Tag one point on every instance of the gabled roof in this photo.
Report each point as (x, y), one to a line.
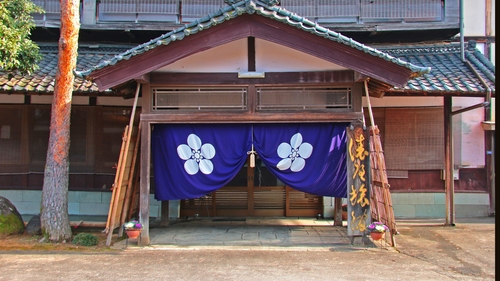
(265, 9)
(449, 75)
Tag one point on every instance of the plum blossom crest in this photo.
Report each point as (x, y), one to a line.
(294, 154)
(197, 155)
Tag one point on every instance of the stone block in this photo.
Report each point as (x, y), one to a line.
(12, 195)
(404, 211)
(87, 197)
(94, 209)
(440, 198)
(472, 199)
(106, 197)
(470, 211)
(73, 208)
(430, 211)
(32, 195)
(29, 208)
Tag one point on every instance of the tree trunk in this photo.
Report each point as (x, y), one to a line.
(54, 214)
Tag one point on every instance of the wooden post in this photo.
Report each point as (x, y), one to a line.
(337, 207)
(145, 180)
(448, 163)
(165, 218)
(358, 180)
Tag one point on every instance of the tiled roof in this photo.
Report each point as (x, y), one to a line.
(262, 8)
(43, 80)
(449, 73)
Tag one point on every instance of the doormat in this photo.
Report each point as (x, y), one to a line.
(229, 219)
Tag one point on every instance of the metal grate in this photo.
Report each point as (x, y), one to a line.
(274, 98)
(52, 10)
(322, 8)
(138, 10)
(194, 9)
(402, 9)
(199, 98)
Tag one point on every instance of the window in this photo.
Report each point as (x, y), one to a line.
(297, 98)
(199, 98)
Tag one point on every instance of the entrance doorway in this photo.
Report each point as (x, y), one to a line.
(256, 192)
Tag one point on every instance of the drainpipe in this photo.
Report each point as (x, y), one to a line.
(462, 53)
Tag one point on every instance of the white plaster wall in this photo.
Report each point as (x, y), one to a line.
(10, 99)
(232, 57)
(474, 17)
(274, 57)
(47, 99)
(403, 101)
(117, 101)
(472, 134)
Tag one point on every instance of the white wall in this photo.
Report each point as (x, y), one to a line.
(47, 99)
(472, 134)
(474, 17)
(232, 57)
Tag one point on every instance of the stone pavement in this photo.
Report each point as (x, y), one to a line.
(308, 234)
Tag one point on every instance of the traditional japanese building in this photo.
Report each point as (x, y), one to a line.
(245, 110)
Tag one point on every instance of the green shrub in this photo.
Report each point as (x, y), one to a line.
(85, 239)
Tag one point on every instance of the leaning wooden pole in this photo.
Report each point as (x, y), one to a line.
(128, 191)
(382, 176)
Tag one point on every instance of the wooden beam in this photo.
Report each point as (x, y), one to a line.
(337, 213)
(275, 78)
(144, 78)
(165, 217)
(251, 54)
(145, 181)
(246, 117)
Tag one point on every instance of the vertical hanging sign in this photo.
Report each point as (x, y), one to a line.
(358, 180)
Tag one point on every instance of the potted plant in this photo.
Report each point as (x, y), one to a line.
(133, 228)
(377, 230)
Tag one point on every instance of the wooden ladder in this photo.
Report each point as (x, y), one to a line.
(124, 198)
(380, 197)
(125, 195)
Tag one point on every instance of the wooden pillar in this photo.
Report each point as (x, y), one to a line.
(165, 218)
(358, 181)
(337, 211)
(448, 163)
(145, 180)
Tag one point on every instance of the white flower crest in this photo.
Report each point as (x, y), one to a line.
(197, 156)
(294, 154)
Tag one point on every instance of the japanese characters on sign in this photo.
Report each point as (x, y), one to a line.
(358, 173)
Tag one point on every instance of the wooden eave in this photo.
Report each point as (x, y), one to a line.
(260, 27)
(422, 93)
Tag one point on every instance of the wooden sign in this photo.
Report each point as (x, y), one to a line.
(358, 180)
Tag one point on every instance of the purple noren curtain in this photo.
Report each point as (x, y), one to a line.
(193, 160)
(308, 157)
